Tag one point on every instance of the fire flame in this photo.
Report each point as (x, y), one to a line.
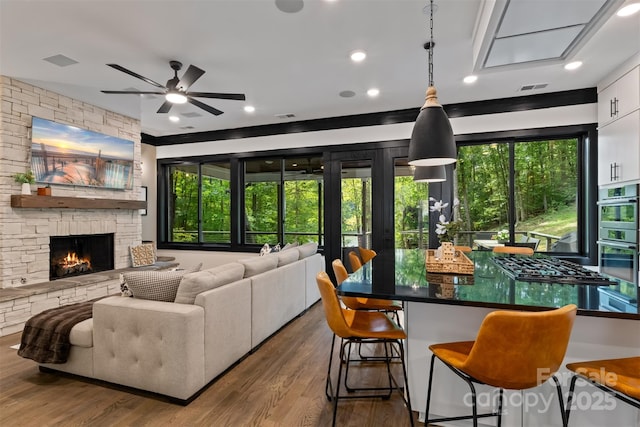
(72, 260)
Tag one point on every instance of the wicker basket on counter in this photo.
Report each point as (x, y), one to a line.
(446, 259)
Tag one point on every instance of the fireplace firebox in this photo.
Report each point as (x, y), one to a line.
(81, 254)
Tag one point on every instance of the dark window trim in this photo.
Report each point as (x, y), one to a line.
(587, 135)
(476, 108)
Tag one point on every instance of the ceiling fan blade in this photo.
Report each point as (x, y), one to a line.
(136, 75)
(233, 96)
(204, 106)
(164, 108)
(192, 74)
(132, 92)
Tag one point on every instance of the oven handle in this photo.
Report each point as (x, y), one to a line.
(617, 201)
(617, 245)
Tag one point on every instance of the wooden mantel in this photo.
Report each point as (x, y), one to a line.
(48, 202)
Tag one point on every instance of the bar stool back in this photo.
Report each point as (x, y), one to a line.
(366, 255)
(355, 261)
(511, 351)
(513, 250)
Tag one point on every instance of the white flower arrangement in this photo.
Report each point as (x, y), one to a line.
(502, 235)
(446, 230)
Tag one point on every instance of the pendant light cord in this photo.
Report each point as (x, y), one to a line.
(431, 44)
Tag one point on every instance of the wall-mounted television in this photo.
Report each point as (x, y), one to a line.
(68, 155)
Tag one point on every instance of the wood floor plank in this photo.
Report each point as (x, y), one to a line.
(280, 384)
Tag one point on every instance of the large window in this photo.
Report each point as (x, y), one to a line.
(283, 200)
(183, 203)
(411, 208)
(528, 188)
(185, 210)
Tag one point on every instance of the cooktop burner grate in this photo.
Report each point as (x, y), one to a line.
(549, 270)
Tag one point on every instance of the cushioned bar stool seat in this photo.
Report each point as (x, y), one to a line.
(360, 327)
(619, 377)
(510, 351)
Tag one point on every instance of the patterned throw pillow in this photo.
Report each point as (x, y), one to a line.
(265, 249)
(142, 255)
(154, 285)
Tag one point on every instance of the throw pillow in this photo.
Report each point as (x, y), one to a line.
(276, 248)
(142, 255)
(265, 249)
(154, 285)
(307, 249)
(290, 245)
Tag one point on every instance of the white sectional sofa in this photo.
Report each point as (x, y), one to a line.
(177, 348)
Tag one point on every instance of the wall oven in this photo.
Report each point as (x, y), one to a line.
(618, 246)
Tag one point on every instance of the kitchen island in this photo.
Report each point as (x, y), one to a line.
(442, 308)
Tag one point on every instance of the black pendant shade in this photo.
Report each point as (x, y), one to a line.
(430, 174)
(432, 142)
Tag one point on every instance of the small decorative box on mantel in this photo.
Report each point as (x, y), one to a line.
(446, 259)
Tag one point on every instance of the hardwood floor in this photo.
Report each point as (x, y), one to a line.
(280, 384)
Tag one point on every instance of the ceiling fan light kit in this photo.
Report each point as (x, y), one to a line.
(432, 142)
(176, 89)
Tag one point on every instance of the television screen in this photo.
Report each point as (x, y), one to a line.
(63, 154)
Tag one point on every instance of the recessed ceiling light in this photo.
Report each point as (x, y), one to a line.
(358, 55)
(174, 119)
(573, 65)
(249, 108)
(373, 92)
(629, 9)
(470, 79)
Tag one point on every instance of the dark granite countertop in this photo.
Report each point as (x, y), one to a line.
(402, 275)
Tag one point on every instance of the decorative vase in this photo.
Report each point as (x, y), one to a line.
(26, 188)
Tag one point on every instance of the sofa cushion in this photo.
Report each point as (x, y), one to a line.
(307, 249)
(194, 283)
(154, 285)
(253, 266)
(81, 334)
(287, 257)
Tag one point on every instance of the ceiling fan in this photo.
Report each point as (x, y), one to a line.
(175, 91)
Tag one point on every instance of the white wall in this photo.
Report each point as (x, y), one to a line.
(546, 117)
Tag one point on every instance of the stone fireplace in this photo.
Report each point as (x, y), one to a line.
(28, 233)
(77, 255)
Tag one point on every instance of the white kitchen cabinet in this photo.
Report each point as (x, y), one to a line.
(620, 98)
(619, 150)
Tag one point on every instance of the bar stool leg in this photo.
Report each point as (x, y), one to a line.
(570, 399)
(328, 387)
(561, 400)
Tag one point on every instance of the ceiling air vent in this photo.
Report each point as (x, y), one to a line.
(191, 115)
(285, 116)
(187, 127)
(525, 88)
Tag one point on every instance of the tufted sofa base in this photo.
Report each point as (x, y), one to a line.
(176, 350)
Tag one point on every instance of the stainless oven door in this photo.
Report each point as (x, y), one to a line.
(621, 214)
(618, 260)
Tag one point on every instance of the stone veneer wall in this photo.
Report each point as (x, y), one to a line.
(24, 233)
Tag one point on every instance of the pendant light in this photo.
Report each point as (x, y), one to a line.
(430, 174)
(432, 142)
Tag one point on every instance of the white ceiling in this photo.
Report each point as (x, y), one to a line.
(287, 62)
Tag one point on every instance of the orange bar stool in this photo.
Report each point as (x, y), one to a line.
(360, 327)
(521, 250)
(355, 261)
(465, 249)
(511, 349)
(355, 303)
(366, 254)
(618, 377)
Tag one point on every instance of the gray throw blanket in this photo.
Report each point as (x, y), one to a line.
(45, 337)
